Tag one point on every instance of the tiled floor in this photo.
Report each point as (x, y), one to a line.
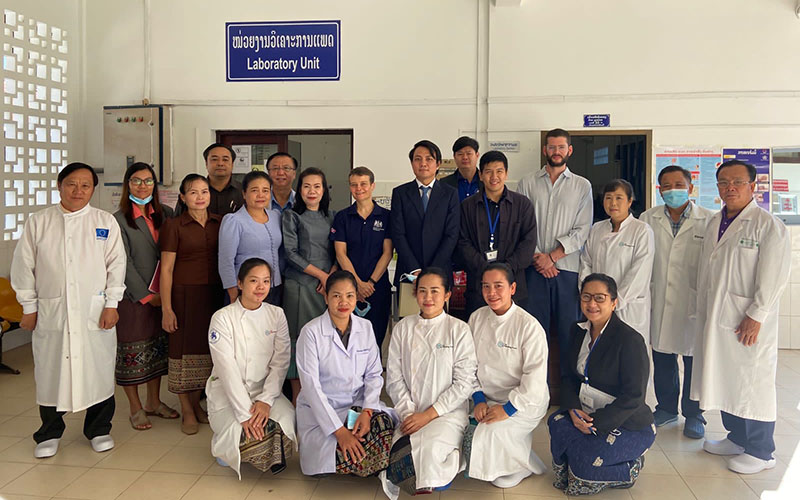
(163, 464)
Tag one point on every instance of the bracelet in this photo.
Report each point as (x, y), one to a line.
(551, 258)
(370, 280)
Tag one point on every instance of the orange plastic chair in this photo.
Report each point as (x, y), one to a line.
(10, 316)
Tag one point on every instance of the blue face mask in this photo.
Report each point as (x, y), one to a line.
(363, 311)
(675, 198)
(140, 201)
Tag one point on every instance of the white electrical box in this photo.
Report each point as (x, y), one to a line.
(137, 133)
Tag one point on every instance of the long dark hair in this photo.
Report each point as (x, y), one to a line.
(300, 204)
(125, 205)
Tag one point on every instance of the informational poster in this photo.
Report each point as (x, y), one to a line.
(242, 163)
(168, 197)
(702, 162)
(759, 158)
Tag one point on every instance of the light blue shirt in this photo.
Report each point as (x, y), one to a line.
(240, 238)
(289, 203)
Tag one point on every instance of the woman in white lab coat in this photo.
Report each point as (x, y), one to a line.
(249, 341)
(342, 425)
(623, 247)
(512, 395)
(430, 375)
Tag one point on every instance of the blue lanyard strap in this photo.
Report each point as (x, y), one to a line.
(492, 225)
(586, 366)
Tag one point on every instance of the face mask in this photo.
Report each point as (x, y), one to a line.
(363, 311)
(140, 201)
(675, 198)
(409, 277)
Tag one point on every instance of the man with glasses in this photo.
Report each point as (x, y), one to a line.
(562, 202)
(282, 169)
(678, 227)
(746, 261)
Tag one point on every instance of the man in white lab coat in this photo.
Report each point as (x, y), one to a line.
(746, 259)
(678, 227)
(69, 274)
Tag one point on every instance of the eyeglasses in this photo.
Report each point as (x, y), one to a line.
(598, 297)
(281, 169)
(737, 183)
(135, 181)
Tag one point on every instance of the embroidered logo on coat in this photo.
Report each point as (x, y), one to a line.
(101, 233)
(443, 346)
(377, 226)
(623, 244)
(504, 345)
(213, 337)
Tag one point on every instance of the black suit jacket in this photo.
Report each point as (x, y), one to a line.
(618, 366)
(515, 241)
(424, 238)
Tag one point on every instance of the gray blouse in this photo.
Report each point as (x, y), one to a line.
(306, 239)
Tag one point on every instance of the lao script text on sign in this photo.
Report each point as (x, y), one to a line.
(283, 50)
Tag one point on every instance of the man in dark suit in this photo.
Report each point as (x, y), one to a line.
(424, 216)
(497, 225)
(465, 179)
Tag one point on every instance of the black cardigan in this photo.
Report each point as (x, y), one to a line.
(619, 366)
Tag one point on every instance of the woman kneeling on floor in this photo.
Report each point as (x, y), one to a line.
(249, 341)
(343, 426)
(600, 434)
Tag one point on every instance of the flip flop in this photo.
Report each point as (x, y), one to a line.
(139, 421)
(202, 417)
(163, 411)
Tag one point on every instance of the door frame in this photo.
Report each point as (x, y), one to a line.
(232, 137)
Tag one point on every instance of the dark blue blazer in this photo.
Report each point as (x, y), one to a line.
(424, 239)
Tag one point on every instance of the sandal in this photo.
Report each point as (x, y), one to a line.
(163, 411)
(189, 429)
(202, 416)
(139, 421)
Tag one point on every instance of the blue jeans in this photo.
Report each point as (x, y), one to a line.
(755, 436)
(554, 302)
(666, 379)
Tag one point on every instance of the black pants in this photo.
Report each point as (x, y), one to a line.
(97, 421)
(666, 380)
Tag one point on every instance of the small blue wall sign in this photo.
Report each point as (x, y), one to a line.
(596, 121)
(282, 50)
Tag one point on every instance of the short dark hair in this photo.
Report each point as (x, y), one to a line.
(251, 264)
(434, 271)
(253, 175)
(558, 132)
(465, 142)
(611, 285)
(504, 268)
(72, 167)
(675, 168)
(751, 170)
(492, 156)
(300, 204)
(278, 155)
(219, 145)
(361, 171)
(430, 146)
(185, 183)
(619, 184)
(340, 275)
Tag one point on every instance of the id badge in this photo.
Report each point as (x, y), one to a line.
(491, 256)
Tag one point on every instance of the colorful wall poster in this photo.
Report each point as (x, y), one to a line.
(702, 162)
(759, 158)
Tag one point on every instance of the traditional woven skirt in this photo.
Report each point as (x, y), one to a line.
(141, 344)
(377, 443)
(586, 464)
(189, 357)
(270, 453)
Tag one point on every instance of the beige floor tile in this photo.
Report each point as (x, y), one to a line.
(656, 487)
(541, 434)
(7, 441)
(293, 470)
(699, 463)
(462, 483)
(282, 489)
(705, 488)
(159, 486)
(12, 470)
(99, 484)
(132, 456)
(760, 486)
(20, 426)
(536, 486)
(364, 489)
(11, 496)
(44, 480)
(77, 452)
(786, 446)
(452, 494)
(671, 438)
(656, 462)
(217, 487)
(183, 460)
(511, 496)
(15, 406)
(200, 440)
(247, 471)
(608, 494)
(22, 451)
(167, 432)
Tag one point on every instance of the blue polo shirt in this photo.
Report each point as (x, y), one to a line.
(364, 238)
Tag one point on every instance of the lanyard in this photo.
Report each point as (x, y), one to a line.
(586, 366)
(492, 225)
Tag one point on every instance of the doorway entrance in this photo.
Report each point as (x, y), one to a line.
(329, 150)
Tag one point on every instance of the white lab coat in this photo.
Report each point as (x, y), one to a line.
(512, 366)
(68, 267)
(251, 351)
(626, 256)
(674, 283)
(333, 379)
(744, 273)
(432, 362)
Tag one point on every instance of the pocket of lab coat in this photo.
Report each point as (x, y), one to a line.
(733, 310)
(50, 314)
(96, 306)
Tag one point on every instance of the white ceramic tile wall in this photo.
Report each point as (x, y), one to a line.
(789, 324)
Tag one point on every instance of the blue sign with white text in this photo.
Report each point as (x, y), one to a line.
(596, 120)
(283, 50)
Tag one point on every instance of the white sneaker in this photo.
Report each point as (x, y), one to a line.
(748, 464)
(46, 449)
(102, 443)
(722, 447)
(511, 480)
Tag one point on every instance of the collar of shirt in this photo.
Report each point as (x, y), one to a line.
(463, 180)
(344, 336)
(622, 224)
(232, 184)
(502, 197)
(186, 218)
(543, 172)
(676, 226)
(421, 185)
(137, 212)
(289, 203)
(587, 325)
